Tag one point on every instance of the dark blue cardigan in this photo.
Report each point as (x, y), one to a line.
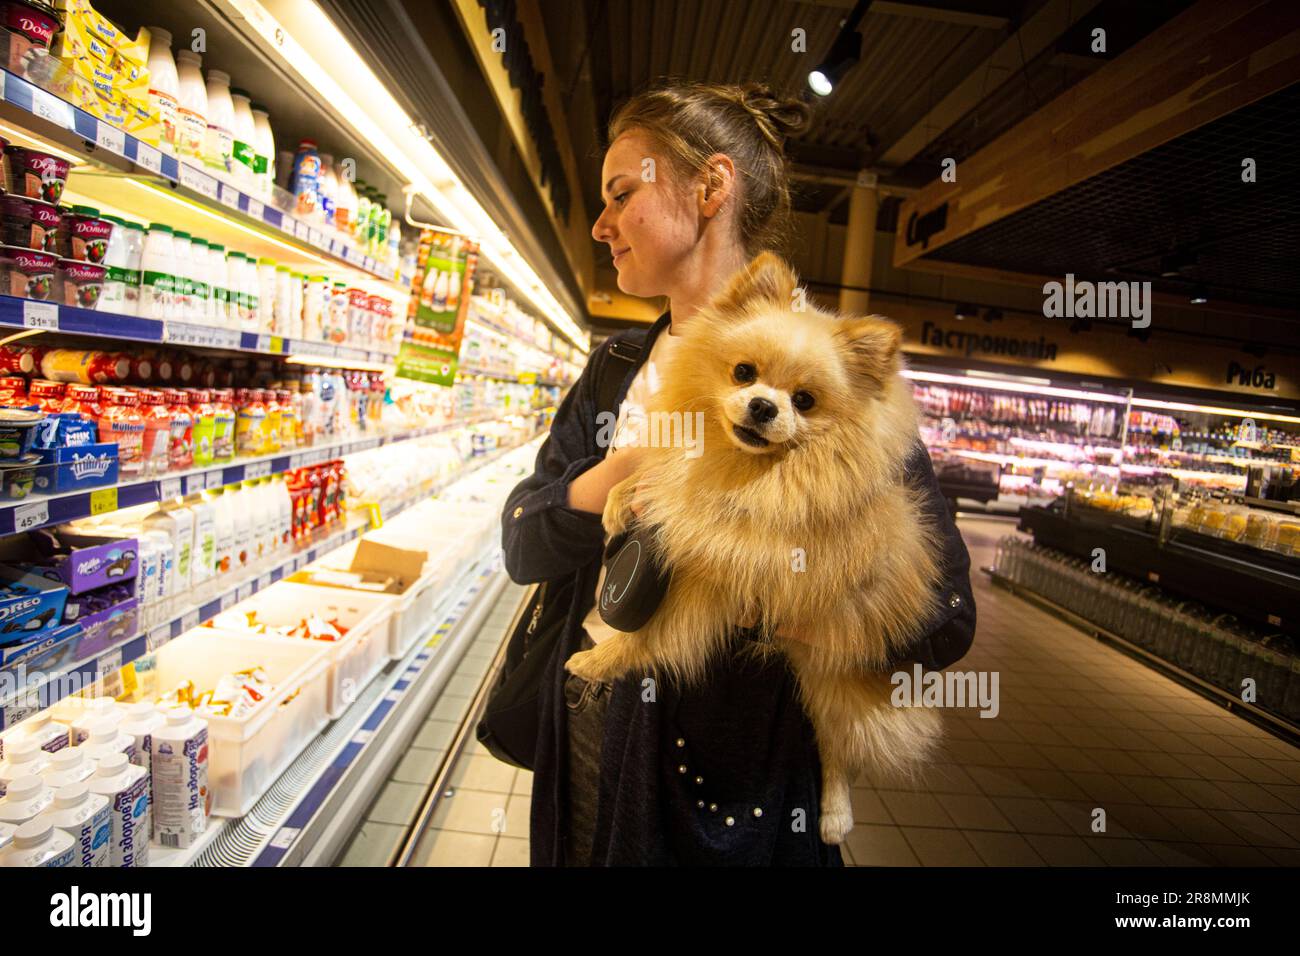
(742, 733)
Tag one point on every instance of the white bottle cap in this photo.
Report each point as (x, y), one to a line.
(25, 787)
(100, 705)
(177, 717)
(69, 758)
(22, 751)
(112, 764)
(161, 37)
(33, 833)
(142, 709)
(219, 76)
(102, 730)
(71, 795)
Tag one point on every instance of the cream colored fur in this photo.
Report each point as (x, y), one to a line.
(830, 483)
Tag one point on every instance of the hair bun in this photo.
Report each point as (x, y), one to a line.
(778, 116)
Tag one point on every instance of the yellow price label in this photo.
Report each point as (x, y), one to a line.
(376, 515)
(105, 499)
(129, 681)
(277, 344)
(527, 378)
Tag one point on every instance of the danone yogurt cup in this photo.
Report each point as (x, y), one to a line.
(36, 21)
(84, 235)
(80, 282)
(30, 223)
(28, 274)
(34, 174)
(17, 430)
(17, 478)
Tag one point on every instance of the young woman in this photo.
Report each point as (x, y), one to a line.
(633, 773)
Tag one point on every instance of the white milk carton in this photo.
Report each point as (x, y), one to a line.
(24, 757)
(43, 728)
(84, 816)
(106, 737)
(68, 766)
(90, 710)
(180, 779)
(127, 789)
(40, 843)
(27, 797)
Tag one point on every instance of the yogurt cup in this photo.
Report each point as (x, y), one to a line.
(17, 478)
(28, 274)
(84, 235)
(30, 223)
(34, 174)
(36, 21)
(17, 431)
(80, 282)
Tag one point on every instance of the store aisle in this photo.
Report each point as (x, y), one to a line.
(1081, 726)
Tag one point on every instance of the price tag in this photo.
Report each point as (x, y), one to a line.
(296, 462)
(50, 107)
(193, 484)
(159, 636)
(229, 195)
(264, 581)
(227, 600)
(40, 315)
(255, 209)
(201, 183)
(214, 479)
(245, 591)
(257, 469)
(103, 500)
(108, 663)
(295, 563)
(31, 515)
(169, 488)
(317, 238)
(376, 515)
(111, 138)
(276, 345)
(148, 157)
(284, 837)
(190, 620)
(263, 343)
(393, 695)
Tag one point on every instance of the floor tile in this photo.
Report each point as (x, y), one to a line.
(937, 847)
(873, 845)
(456, 848)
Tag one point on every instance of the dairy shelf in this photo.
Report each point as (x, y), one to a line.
(336, 776)
(58, 682)
(52, 317)
(213, 195)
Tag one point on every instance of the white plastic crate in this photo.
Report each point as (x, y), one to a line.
(363, 651)
(246, 755)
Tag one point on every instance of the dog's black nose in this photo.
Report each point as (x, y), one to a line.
(761, 410)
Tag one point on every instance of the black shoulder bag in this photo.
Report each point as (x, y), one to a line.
(508, 726)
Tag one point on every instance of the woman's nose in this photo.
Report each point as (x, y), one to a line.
(602, 231)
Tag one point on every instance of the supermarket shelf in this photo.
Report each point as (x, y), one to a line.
(61, 681)
(523, 378)
(341, 767)
(195, 184)
(52, 317)
(38, 511)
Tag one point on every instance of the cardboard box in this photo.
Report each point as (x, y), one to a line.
(367, 581)
(29, 603)
(91, 561)
(77, 468)
(45, 651)
(104, 629)
(403, 564)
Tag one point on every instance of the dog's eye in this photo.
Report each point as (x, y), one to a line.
(744, 372)
(802, 400)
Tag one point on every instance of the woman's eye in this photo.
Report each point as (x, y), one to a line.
(802, 401)
(744, 372)
(620, 197)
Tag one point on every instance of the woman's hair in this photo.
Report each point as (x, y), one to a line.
(750, 123)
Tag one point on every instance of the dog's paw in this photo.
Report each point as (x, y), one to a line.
(835, 825)
(585, 664)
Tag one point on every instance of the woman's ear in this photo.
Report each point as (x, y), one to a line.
(767, 279)
(871, 347)
(719, 182)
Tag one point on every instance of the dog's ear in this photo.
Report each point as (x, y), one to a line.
(766, 279)
(871, 344)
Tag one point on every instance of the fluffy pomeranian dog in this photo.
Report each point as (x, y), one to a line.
(795, 516)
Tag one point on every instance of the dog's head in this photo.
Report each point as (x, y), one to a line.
(779, 371)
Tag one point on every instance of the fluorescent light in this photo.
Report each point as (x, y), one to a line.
(819, 83)
(312, 45)
(1027, 388)
(1212, 410)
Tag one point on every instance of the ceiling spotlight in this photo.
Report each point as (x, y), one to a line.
(844, 52)
(1175, 264)
(1200, 295)
(964, 311)
(992, 315)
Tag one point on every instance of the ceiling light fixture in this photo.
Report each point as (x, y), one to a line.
(1200, 295)
(844, 52)
(965, 311)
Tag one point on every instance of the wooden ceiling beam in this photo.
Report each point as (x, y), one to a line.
(1208, 61)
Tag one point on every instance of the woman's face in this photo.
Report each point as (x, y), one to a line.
(650, 221)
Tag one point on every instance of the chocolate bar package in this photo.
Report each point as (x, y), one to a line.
(82, 562)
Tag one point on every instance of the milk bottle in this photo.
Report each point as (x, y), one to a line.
(40, 843)
(127, 788)
(23, 757)
(83, 816)
(27, 797)
(180, 779)
(106, 737)
(68, 766)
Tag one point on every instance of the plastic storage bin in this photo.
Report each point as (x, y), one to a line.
(355, 660)
(246, 755)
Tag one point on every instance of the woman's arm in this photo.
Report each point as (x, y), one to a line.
(551, 525)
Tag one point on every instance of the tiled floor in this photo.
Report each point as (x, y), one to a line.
(1093, 760)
